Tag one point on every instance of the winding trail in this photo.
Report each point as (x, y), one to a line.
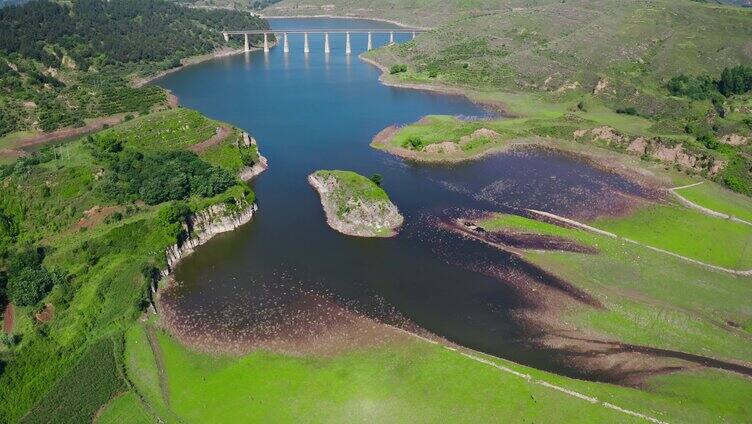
(156, 349)
(479, 357)
(746, 273)
(688, 203)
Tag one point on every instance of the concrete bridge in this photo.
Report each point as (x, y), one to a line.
(326, 32)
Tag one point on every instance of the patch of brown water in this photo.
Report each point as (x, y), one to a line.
(311, 324)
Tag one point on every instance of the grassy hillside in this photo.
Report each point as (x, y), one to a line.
(588, 56)
(91, 219)
(397, 381)
(418, 12)
(63, 63)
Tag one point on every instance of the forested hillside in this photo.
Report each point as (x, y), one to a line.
(422, 12)
(61, 63)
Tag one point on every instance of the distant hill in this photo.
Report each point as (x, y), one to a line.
(61, 63)
(636, 46)
(422, 12)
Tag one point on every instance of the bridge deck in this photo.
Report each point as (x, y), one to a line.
(317, 30)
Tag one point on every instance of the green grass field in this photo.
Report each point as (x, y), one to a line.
(126, 408)
(409, 381)
(720, 200)
(165, 130)
(651, 299)
(687, 232)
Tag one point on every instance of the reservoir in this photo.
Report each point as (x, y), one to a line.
(315, 111)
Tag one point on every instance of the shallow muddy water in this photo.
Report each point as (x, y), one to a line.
(314, 111)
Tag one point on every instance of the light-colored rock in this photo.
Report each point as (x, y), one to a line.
(442, 148)
(479, 133)
(600, 86)
(734, 139)
(639, 145)
(204, 225)
(360, 217)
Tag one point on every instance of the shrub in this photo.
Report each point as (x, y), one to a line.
(697, 88)
(629, 110)
(396, 69)
(377, 179)
(29, 286)
(736, 80)
(414, 142)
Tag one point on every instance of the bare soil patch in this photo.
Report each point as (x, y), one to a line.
(221, 133)
(95, 125)
(95, 216)
(46, 314)
(8, 317)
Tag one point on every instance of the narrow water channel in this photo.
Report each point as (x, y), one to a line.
(320, 111)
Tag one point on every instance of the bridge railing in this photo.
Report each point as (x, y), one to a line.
(326, 32)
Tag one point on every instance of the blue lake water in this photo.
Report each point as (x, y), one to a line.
(316, 111)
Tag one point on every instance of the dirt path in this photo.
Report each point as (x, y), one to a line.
(690, 204)
(221, 134)
(8, 316)
(481, 358)
(159, 359)
(63, 133)
(586, 227)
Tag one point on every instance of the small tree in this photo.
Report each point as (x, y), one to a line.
(377, 179)
(29, 286)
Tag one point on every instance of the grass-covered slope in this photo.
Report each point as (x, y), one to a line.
(405, 380)
(597, 57)
(92, 218)
(64, 62)
(419, 12)
(356, 205)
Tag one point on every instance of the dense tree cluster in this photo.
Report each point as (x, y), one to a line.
(736, 80)
(118, 30)
(117, 38)
(27, 281)
(156, 177)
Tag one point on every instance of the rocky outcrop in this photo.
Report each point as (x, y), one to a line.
(203, 225)
(352, 215)
(734, 140)
(216, 219)
(668, 151)
(247, 173)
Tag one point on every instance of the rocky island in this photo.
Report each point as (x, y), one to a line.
(355, 205)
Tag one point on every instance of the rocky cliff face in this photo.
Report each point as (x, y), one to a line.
(204, 225)
(355, 216)
(656, 148)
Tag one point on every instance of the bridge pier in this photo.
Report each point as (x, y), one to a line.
(287, 46)
(391, 37)
(247, 45)
(266, 44)
(227, 36)
(348, 50)
(413, 35)
(305, 43)
(326, 43)
(370, 43)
